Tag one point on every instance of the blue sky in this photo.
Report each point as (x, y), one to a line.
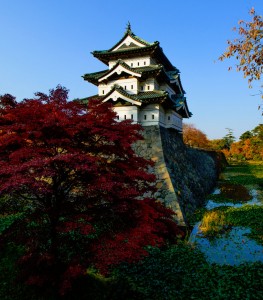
(46, 43)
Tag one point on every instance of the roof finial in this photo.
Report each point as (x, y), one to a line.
(128, 28)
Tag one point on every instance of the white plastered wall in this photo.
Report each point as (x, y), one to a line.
(152, 114)
(149, 115)
(127, 112)
(133, 62)
(129, 84)
(173, 120)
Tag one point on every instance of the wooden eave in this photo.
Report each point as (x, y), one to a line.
(143, 98)
(162, 59)
(93, 77)
(122, 95)
(141, 72)
(180, 105)
(179, 84)
(140, 98)
(184, 111)
(105, 55)
(153, 50)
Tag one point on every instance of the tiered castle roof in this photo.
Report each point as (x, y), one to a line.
(129, 47)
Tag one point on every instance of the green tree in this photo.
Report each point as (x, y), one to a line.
(246, 135)
(258, 132)
(228, 138)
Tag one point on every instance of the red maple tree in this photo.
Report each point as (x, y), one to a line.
(73, 168)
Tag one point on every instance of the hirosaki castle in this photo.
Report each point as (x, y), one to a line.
(145, 87)
(141, 82)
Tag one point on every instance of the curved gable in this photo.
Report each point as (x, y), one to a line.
(129, 42)
(117, 93)
(118, 69)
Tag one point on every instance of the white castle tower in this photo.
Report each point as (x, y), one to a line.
(144, 86)
(141, 82)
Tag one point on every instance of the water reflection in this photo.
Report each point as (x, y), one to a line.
(233, 247)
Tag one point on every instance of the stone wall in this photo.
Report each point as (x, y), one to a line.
(184, 176)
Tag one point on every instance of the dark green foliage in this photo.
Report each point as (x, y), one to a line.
(7, 220)
(248, 216)
(250, 179)
(181, 272)
(10, 289)
(246, 135)
(246, 174)
(258, 132)
(228, 138)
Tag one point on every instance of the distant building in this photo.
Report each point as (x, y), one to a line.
(141, 82)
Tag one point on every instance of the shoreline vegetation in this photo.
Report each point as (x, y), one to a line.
(236, 186)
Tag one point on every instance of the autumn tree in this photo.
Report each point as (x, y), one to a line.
(247, 48)
(194, 137)
(217, 144)
(80, 185)
(249, 146)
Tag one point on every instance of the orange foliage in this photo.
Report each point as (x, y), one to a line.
(226, 152)
(247, 48)
(194, 137)
(249, 149)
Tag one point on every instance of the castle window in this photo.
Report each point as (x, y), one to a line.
(125, 87)
(118, 117)
(131, 86)
(103, 92)
(153, 117)
(131, 64)
(138, 64)
(141, 88)
(145, 63)
(169, 118)
(132, 117)
(124, 117)
(148, 87)
(145, 117)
